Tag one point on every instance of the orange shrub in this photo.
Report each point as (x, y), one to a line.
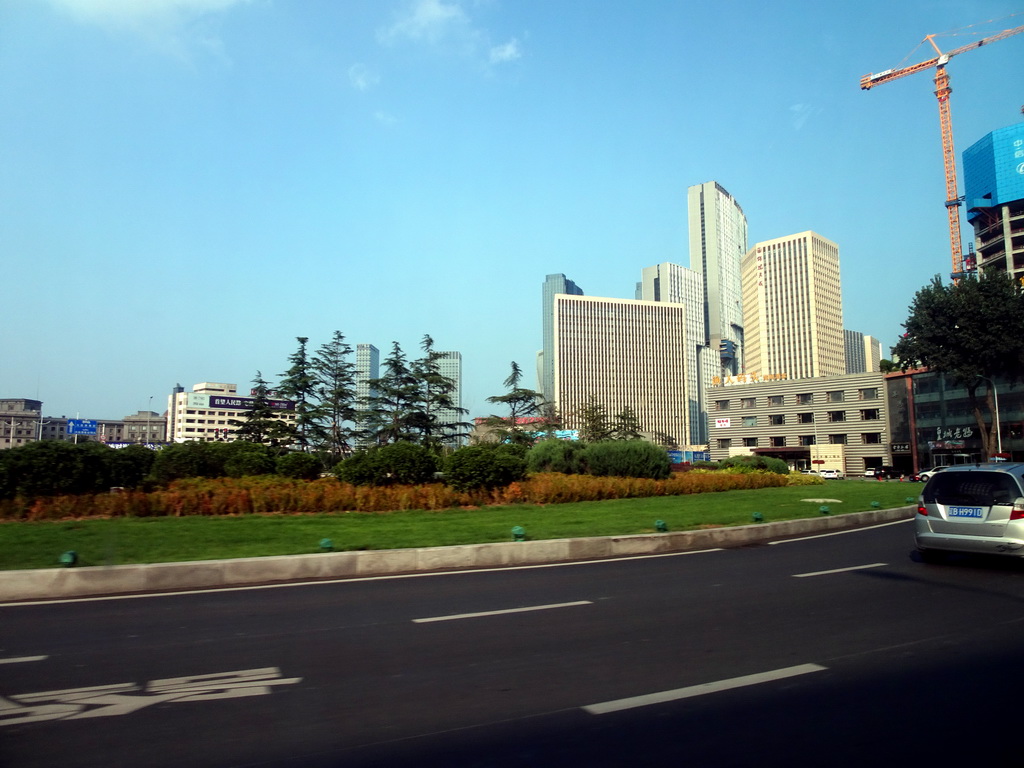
(277, 495)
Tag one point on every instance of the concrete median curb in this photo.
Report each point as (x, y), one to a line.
(55, 583)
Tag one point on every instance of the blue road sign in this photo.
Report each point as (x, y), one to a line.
(81, 427)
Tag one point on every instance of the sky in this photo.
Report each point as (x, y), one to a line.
(186, 186)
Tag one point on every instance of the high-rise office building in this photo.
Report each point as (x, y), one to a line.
(675, 284)
(450, 366)
(553, 285)
(626, 354)
(367, 367)
(718, 242)
(793, 308)
(994, 187)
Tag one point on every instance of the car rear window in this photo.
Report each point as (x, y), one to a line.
(976, 488)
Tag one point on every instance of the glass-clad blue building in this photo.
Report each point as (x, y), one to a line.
(994, 186)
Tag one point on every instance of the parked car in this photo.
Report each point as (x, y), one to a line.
(831, 474)
(972, 508)
(881, 473)
(925, 474)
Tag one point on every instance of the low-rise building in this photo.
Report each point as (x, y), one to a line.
(207, 411)
(828, 422)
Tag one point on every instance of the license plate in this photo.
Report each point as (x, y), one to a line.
(968, 512)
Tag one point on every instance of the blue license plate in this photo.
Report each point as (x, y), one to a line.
(969, 512)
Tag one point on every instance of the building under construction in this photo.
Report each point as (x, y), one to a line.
(994, 185)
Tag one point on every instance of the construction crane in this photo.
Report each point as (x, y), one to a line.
(942, 91)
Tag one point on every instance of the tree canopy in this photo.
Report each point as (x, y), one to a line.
(970, 331)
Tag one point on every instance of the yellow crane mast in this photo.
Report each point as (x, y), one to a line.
(942, 91)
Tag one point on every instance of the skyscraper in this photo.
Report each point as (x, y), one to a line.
(367, 367)
(793, 308)
(553, 285)
(626, 354)
(718, 241)
(994, 185)
(863, 353)
(450, 366)
(672, 283)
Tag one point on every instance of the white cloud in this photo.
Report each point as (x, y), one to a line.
(507, 52)
(445, 25)
(362, 77)
(135, 12)
(385, 118)
(429, 20)
(172, 26)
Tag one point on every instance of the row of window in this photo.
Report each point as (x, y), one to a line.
(779, 441)
(803, 398)
(779, 419)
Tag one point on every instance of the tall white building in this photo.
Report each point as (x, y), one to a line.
(367, 368)
(863, 353)
(553, 285)
(675, 284)
(793, 308)
(627, 354)
(718, 242)
(450, 366)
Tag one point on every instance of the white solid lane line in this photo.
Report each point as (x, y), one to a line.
(700, 690)
(22, 659)
(838, 570)
(452, 617)
(840, 533)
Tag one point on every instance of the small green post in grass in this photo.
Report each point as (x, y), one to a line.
(825, 509)
(910, 499)
(660, 526)
(326, 545)
(757, 517)
(69, 558)
(875, 505)
(519, 533)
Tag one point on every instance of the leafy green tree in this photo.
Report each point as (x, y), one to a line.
(398, 463)
(565, 456)
(627, 458)
(751, 463)
(51, 468)
(261, 423)
(335, 383)
(189, 459)
(522, 403)
(484, 466)
(970, 331)
(299, 385)
(300, 466)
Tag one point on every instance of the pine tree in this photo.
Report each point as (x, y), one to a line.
(388, 413)
(432, 417)
(521, 403)
(298, 384)
(335, 386)
(260, 424)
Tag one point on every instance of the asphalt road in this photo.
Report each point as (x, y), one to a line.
(838, 650)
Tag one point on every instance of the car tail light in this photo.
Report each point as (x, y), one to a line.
(923, 510)
(1018, 510)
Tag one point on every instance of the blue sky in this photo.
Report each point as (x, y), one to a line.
(188, 185)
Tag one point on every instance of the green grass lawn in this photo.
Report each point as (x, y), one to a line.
(173, 539)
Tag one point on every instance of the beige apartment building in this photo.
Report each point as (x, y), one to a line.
(626, 353)
(840, 421)
(205, 413)
(793, 308)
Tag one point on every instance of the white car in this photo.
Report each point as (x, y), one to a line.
(831, 474)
